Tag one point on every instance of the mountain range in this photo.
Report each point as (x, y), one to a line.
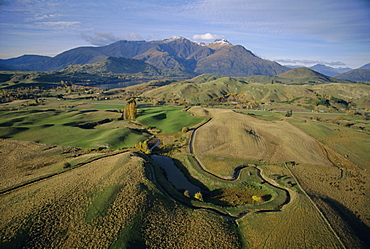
(168, 57)
(329, 71)
(219, 57)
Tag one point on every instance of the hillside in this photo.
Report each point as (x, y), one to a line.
(115, 65)
(24, 62)
(366, 66)
(237, 61)
(216, 90)
(216, 57)
(303, 74)
(357, 75)
(115, 204)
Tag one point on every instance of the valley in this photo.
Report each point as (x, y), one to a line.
(276, 162)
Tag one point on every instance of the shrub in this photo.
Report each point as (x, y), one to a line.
(256, 198)
(198, 196)
(66, 165)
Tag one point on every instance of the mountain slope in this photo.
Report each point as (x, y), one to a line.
(366, 66)
(24, 62)
(329, 71)
(114, 65)
(358, 75)
(217, 57)
(237, 61)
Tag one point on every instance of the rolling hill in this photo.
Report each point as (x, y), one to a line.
(357, 75)
(213, 89)
(115, 204)
(306, 75)
(216, 57)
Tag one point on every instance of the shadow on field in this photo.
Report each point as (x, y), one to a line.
(11, 131)
(191, 179)
(354, 224)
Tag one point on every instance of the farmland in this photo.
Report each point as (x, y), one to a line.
(71, 176)
(89, 124)
(321, 171)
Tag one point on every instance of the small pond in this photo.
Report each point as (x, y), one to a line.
(174, 174)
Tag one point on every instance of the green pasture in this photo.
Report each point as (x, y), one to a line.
(169, 119)
(248, 179)
(265, 115)
(83, 124)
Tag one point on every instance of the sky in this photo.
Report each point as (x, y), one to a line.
(292, 32)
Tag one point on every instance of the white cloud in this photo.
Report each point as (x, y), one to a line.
(327, 20)
(101, 38)
(60, 23)
(207, 36)
(309, 62)
(49, 16)
(64, 25)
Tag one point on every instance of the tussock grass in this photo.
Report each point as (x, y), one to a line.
(110, 202)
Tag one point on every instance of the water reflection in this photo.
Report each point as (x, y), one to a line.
(174, 174)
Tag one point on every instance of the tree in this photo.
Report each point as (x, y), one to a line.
(143, 146)
(256, 198)
(198, 196)
(289, 113)
(130, 111)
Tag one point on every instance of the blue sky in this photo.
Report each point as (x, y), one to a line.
(331, 32)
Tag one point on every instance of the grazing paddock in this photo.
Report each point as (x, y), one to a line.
(245, 137)
(333, 182)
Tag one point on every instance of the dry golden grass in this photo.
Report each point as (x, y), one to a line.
(224, 166)
(23, 160)
(242, 136)
(109, 202)
(342, 194)
(298, 225)
(337, 186)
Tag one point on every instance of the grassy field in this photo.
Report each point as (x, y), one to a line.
(336, 185)
(114, 200)
(342, 195)
(333, 130)
(169, 119)
(115, 204)
(249, 138)
(90, 124)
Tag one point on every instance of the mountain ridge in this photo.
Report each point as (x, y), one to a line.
(356, 75)
(329, 71)
(178, 52)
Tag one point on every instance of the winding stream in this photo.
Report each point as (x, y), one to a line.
(174, 174)
(180, 182)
